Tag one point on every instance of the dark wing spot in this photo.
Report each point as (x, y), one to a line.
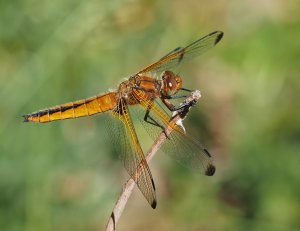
(154, 203)
(180, 57)
(171, 52)
(210, 170)
(206, 152)
(220, 36)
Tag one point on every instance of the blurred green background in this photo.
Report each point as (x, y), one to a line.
(64, 176)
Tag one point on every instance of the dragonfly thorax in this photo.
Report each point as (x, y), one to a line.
(126, 87)
(172, 83)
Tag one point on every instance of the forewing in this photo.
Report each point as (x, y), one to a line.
(179, 55)
(132, 154)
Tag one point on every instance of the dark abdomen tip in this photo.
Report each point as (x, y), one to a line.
(26, 118)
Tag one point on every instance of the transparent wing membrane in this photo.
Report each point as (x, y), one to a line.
(181, 146)
(179, 55)
(132, 154)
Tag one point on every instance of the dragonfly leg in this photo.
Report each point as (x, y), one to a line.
(177, 96)
(150, 120)
(171, 106)
(185, 89)
(180, 96)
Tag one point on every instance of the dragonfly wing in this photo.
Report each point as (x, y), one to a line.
(132, 154)
(187, 150)
(182, 54)
(172, 52)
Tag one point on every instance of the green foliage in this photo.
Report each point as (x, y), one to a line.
(64, 175)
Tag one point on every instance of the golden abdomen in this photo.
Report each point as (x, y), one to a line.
(85, 107)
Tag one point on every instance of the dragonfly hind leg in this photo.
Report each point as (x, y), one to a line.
(150, 120)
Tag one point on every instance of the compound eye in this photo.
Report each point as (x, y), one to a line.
(170, 83)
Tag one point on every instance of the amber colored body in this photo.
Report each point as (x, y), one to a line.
(101, 103)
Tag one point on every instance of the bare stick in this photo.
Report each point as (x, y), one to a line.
(177, 118)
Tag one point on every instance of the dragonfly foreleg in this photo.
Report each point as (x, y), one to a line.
(171, 106)
(184, 89)
(177, 96)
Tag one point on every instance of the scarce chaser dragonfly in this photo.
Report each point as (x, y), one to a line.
(141, 90)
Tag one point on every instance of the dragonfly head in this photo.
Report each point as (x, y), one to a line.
(172, 83)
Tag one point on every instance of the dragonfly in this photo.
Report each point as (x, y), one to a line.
(140, 94)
